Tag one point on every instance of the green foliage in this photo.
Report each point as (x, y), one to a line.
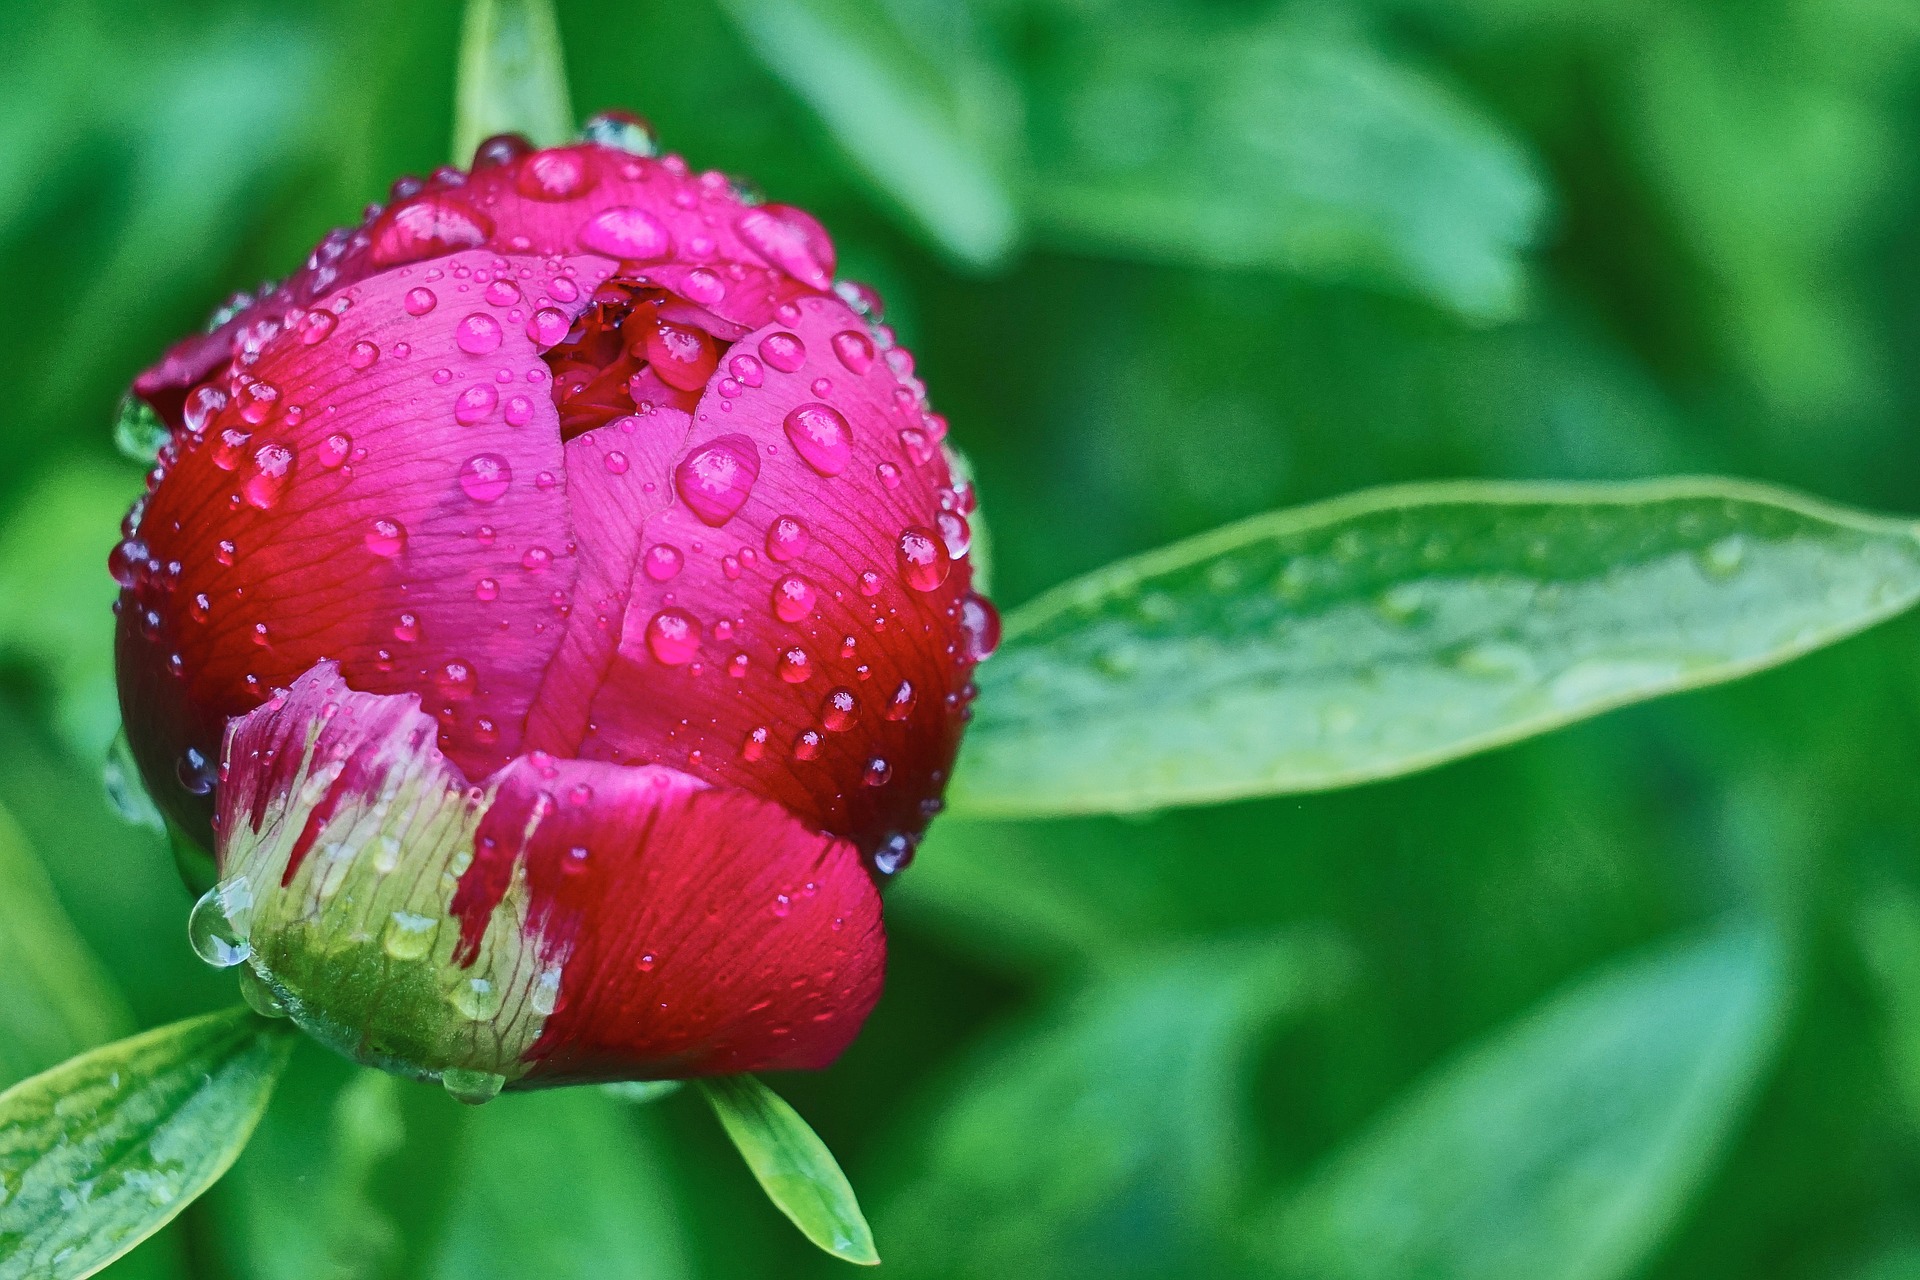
(54, 1000)
(1382, 633)
(792, 1165)
(564, 1184)
(102, 1151)
(1563, 1146)
(1105, 1136)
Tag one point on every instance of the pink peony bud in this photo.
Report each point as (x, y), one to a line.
(554, 602)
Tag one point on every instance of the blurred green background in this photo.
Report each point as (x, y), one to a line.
(1638, 998)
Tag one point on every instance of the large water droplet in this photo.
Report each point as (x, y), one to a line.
(475, 403)
(855, 350)
(478, 334)
(272, 473)
(923, 559)
(419, 301)
(137, 430)
(673, 637)
(793, 598)
(790, 240)
(622, 131)
(485, 476)
(476, 998)
(408, 936)
(821, 436)
(784, 351)
(715, 479)
(472, 1087)
(220, 921)
(260, 997)
(786, 538)
(980, 624)
(628, 233)
(839, 710)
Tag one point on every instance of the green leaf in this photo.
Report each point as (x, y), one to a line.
(913, 98)
(513, 76)
(560, 1185)
(102, 1151)
(1106, 1134)
(1397, 629)
(55, 1001)
(1563, 1147)
(1280, 146)
(792, 1165)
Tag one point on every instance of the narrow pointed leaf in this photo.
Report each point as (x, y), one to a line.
(1396, 629)
(102, 1151)
(793, 1166)
(1563, 1147)
(513, 76)
(55, 1001)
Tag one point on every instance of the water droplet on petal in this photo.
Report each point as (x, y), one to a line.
(662, 562)
(478, 334)
(628, 233)
(786, 538)
(361, 355)
(472, 1087)
(419, 301)
(386, 538)
(794, 666)
(475, 403)
(793, 598)
(900, 705)
(855, 350)
(334, 450)
(673, 637)
(273, 472)
(784, 351)
(485, 476)
(821, 436)
(220, 922)
(715, 479)
(923, 559)
(980, 624)
(558, 174)
(839, 710)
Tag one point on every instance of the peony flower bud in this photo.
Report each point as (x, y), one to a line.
(553, 602)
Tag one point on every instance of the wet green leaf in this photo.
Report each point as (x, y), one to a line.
(913, 98)
(560, 1184)
(1106, 1134)
(513, 76)
(792, 1165)
(1278, 146)
(1563, 1147)
(55, 1001)
(1397, 629)
(102, 1151)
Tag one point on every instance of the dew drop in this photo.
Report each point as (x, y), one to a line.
(419, 301)
(472, 1087)
(715, 479)
(273, 472)
(361, 355)
(220, 922)
(626, 232)
(485, 477)
(794, 666)
(807, 745)
(673, 637)
(784, 351)
(548, 326)
(923, 559)
(408, 936)
(475, 403)
(386, 538)
(476, 998)
(878, 773)
(821, 436)
(477, 334)
(855, 350)
(839, 710)
(793, 598)
(663, 561)
(900, 705)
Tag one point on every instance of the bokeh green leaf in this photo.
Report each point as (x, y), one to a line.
(792, 1165)
(1106, 1135)
(1563, 1146)
(1281, 145)
(102, 1151)
(513, 76)
(564, 1184)
(55, 1001)
(1392, 630)
(913, 97)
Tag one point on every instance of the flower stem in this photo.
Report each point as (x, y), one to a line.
(513, 76)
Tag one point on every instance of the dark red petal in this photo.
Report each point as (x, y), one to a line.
(703, 932)
(833, 679)
(397, 504)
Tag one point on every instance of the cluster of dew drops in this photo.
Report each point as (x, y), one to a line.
(713, 481)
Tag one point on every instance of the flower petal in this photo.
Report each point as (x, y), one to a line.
(383, 486)
(564, 921)
(831, 669)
